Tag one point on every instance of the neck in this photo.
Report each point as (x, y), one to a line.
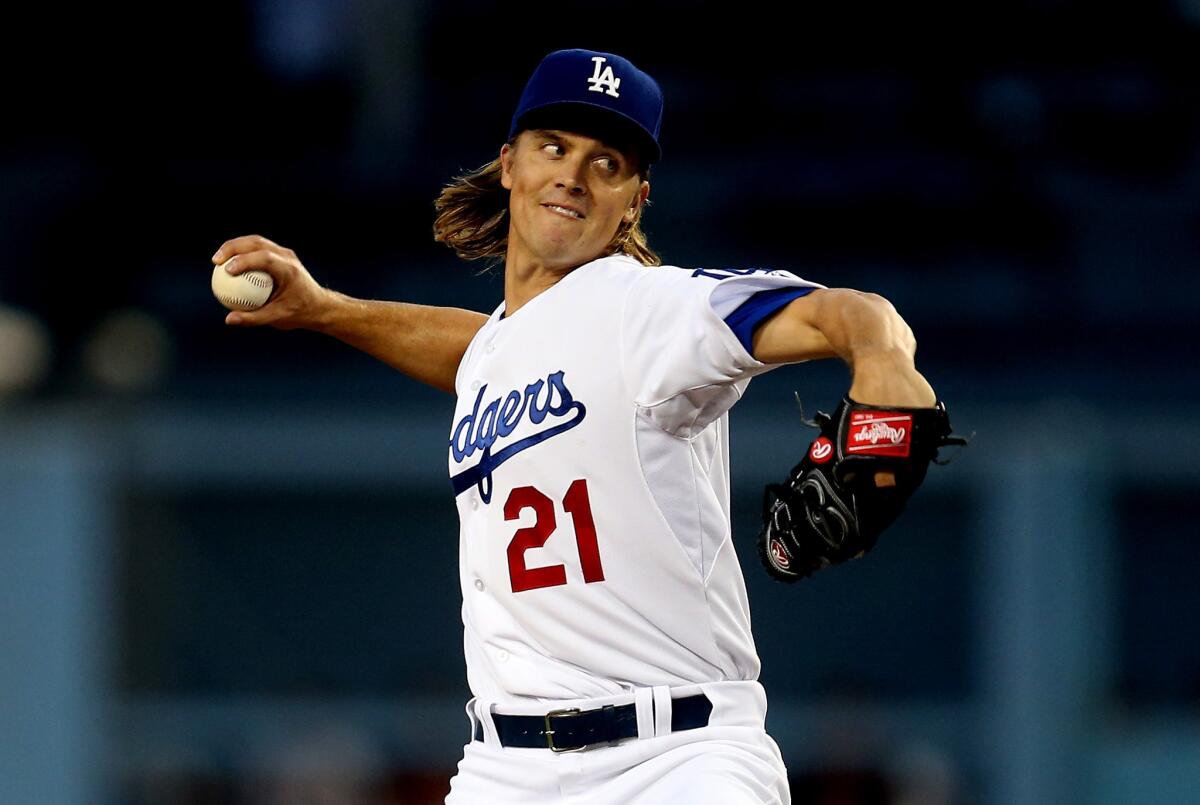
(526, 276)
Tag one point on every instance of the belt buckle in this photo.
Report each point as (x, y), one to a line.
(569, 711)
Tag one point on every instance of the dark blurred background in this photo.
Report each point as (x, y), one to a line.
(228, 557)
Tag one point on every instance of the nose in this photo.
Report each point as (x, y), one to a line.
(572, 176)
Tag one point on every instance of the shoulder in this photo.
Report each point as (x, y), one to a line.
(669, 283)
(615, 274)
(719, 287)
(617, 265)
(765, 277)
(628, 271)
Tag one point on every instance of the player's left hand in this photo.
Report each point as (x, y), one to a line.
(853, 482)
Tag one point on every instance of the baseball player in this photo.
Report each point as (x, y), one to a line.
(606, 627)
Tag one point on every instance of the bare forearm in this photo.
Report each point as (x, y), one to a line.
(856, 324)
(426, 343)
(422, 341)
(879, 346)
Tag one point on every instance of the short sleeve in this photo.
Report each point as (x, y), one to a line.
(751, 313)
(675, 334)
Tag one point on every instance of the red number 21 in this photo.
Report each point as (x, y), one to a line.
(576, 504)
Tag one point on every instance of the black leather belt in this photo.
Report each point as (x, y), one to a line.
(573, 729)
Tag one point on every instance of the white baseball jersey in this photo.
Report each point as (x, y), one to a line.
(589, 455)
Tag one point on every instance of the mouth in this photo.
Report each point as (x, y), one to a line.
(567, 212)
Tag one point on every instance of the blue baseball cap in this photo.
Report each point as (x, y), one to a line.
(583, 88)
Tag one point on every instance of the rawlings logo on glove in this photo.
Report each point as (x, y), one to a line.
(853, 482)
(883, 433)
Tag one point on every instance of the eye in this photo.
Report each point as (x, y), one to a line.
(553, 145)
(610, 165)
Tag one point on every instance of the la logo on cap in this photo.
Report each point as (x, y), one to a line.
(604, 81)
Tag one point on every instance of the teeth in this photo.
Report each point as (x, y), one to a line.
(564, 210)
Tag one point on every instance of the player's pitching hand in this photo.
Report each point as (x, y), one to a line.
(298, 301)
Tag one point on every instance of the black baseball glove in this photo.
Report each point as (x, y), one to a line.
(853, 482)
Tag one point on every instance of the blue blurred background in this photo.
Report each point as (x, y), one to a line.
(228, 557)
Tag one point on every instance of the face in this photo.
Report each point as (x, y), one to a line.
(568, 195)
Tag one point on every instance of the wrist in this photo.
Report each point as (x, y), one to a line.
(890, 379)
(328, 311)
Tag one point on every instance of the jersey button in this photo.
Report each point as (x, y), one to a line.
(479, 584)
(475, 386)
(491, 348)
(474, 502)
(502, 655)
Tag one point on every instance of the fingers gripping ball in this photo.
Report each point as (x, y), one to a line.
(249, 290)
(853, 482)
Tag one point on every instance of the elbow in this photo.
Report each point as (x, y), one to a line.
(879, 328)
(898, 335)
(882, 307)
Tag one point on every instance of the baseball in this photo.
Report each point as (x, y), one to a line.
(247, 291)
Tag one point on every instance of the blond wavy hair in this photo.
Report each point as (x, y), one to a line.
(472, 219)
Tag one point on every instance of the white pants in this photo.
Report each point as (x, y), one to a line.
(730, 762)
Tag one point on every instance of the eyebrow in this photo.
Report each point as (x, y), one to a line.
(553, 134)
(556, 136)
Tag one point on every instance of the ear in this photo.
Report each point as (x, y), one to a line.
(506, 160)
(635, 207)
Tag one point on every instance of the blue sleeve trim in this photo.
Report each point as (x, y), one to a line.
(745, 320)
